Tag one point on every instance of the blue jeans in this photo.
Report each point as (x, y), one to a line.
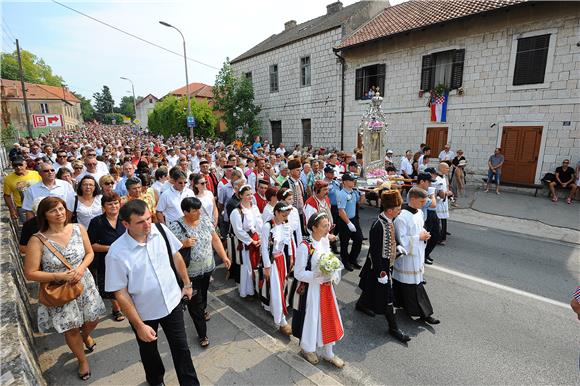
(496, 176)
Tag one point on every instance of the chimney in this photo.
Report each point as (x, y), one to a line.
(289, 25)
(333, 8)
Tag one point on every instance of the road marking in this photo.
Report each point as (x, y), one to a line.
(500, 286)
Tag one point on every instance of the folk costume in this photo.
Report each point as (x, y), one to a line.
(246, 226)
(375, 277)
(278, 253)
(317, 321)
(313, 205)
(299, 192)
(408, 269)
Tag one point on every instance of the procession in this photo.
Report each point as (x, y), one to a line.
(385, 192)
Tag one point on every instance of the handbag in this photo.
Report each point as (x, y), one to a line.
(74, 219)
(57, 294)
(185, 251)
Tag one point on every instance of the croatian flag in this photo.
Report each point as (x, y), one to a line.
(439, 107)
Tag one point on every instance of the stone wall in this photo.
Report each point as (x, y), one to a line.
(17, 349)
(475, 120)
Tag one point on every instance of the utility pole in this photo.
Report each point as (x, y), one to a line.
(26, 111)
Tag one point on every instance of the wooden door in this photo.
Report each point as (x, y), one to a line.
(436, 140)
(520, 148)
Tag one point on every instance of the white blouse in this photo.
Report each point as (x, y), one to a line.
(86, 213)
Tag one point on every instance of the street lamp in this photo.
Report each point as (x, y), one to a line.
(134, 101)
(186, 76)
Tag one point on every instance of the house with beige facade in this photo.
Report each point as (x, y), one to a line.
(511, 69)
(43, 101)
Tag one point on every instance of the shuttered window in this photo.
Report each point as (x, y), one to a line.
(369, 78)
(444, 68)
(531, 57)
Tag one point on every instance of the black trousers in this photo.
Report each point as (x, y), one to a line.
(198, 303)
(345, 236)
(443, 229)
(174, 329)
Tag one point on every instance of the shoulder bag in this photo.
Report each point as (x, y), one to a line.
(57, 294)
(74, 217)
(185, 251)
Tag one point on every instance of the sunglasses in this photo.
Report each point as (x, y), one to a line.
(202, 182)
(18, 164)
(109, 183)
(61, 156)
(47, 171)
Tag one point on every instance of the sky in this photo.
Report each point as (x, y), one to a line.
(89, 55)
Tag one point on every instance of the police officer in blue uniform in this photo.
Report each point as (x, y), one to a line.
(348, 223)
(333, 189)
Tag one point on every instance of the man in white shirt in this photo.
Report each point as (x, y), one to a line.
(446, 154)
(281, 150)
(90, 170)
(49, 186)
(169, 205)
(406, 165)
(62, 161)
(172, 158)
(139, 272)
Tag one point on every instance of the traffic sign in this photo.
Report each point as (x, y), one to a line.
(191, 121)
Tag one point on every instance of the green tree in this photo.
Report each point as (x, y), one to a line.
(34, 69)
(104, 103)
(87, 108)
(235, 97)
(169, 117)
(109, 117)
(126, 107)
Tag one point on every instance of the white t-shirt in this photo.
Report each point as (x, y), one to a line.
(170, 203)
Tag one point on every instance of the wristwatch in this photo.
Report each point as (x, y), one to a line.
(188, 286)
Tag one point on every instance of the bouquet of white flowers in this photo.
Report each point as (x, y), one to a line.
(328, 264)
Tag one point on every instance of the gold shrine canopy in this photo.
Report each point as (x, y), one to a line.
(373, 131)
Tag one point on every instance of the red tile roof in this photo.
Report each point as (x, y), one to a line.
(11, 89)
(200, 90)
(416, 14)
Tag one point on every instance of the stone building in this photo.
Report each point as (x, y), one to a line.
(512, 68)
(144, 107)
(42, 100)
(297, 78)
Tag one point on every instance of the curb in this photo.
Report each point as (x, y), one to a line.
(310, 372)
(532, 228)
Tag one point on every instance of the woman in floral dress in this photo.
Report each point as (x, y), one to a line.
(79, 317)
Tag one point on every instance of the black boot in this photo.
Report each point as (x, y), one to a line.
(394, 329)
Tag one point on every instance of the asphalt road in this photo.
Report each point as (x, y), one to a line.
(488, 334)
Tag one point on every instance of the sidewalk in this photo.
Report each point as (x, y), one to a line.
(240, 353)
(516, 211)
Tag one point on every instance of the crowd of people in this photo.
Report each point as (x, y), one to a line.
(141, 220)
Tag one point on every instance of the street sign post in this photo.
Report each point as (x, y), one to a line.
(191, 121)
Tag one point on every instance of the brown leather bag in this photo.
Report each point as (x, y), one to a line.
(57, 293)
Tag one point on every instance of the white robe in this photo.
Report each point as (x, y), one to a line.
(252, 222)
(442, 204)
(311, 331)
(276, 297)
(409, 268)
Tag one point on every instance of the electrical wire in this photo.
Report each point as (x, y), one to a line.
(8, 30)
(133, 35)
